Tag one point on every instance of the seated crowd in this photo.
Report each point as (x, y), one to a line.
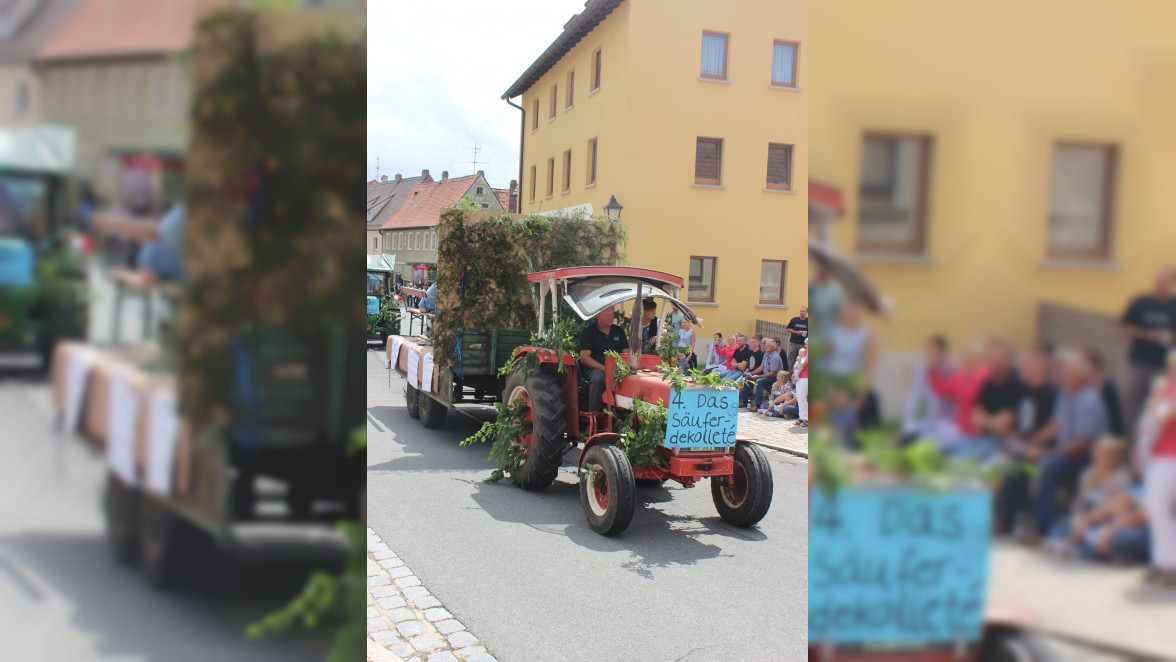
(1072, 480)
(767, 384)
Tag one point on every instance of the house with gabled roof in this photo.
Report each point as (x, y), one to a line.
(411, 231)
(384, 197)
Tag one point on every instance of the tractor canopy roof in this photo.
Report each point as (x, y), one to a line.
(37, 150)
(590, 290)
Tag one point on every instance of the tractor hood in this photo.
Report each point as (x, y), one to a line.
(590, 296)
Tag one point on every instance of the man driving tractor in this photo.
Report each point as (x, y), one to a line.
(597, 338)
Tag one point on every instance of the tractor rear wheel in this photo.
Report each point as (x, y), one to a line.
(608, 493)
(414, 402)
(743, 498)
(543, 449)
(432, 412)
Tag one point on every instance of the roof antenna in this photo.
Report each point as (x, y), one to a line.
(475, 162)
(377, 168)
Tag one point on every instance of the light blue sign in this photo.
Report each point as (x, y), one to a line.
(701, 417)
(898, 566)
(17, 263)
(373, 306)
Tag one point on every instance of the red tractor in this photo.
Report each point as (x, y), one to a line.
(701, 440)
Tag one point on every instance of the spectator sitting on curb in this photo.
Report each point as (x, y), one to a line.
(1107, 476)
(783, 403)
(755, 367)
(772, 365)
(1115, 531)
(716, 358)
(739, 359)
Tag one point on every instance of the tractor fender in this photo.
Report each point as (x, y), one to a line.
(595, 440)
(547, 356)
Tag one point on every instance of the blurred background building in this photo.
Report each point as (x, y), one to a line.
(723, 147)
(1003, 167)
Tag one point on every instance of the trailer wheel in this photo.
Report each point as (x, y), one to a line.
(744, 497)
(608, 496)
(121, 503)
(544, 447)
(414, 402)
(171, 548)
(432, 412)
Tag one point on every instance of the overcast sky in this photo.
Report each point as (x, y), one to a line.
(436, 72)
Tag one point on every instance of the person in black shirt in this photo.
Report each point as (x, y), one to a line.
(994, 416)
(797, 332)
(597, 338)
(740, 359)
(649, 326)
(755, 368)
(1149, 322)
(1013, 498)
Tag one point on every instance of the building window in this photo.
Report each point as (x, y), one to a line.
(485, 205)
(416, 241)
(780, 167)
(591, 162)
(433, 240)
(1081, 198)
(708, 161)
(702, 280)
(571, 88)
(772, 273)
(596, 70)
(481, 190)
(893, 191)
(714, 55)
(535, 116)
(375, 244)
(784, 63)
(554, 96)
(533, 180)
(567, 178)
(550, 177)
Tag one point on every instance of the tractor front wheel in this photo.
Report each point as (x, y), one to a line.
(608, 492)
(414, 402)
(543, 448)
(743, 498)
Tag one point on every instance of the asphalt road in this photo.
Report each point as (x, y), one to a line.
(524, 571)
(62, 596)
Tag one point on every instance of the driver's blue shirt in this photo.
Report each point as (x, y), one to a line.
(165, 258)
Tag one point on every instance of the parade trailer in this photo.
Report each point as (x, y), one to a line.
(264, 378)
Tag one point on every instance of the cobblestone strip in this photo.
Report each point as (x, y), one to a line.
(777, 433)
(405, 622)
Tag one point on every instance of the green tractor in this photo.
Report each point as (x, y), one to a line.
(42, 282)
(383, 304)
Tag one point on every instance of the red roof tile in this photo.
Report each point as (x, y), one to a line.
(104, 28)
(503, 196)
(423, 207)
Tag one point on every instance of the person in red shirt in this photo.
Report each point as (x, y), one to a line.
(1160, 480)
(961, 386)
(802, 387)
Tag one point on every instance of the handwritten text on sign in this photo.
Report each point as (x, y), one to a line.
(898, 566)
(702, 417)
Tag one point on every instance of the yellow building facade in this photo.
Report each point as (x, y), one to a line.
(694, 116)
(994, 156)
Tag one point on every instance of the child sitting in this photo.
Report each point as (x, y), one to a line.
(782, 403)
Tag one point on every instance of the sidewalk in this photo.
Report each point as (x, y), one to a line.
(775, 433)
(1101, 605)
(405, 622)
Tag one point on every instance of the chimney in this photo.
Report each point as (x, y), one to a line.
(398, 177)
(513, 198)
(444, 175)
(481, 173)
(425, 176)
(383, 178)
(573, 18)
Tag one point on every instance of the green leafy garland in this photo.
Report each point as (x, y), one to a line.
(331, 596)
(502, 432)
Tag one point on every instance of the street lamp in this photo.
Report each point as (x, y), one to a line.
(613, 208)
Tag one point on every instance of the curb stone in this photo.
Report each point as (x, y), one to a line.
(405, 622)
